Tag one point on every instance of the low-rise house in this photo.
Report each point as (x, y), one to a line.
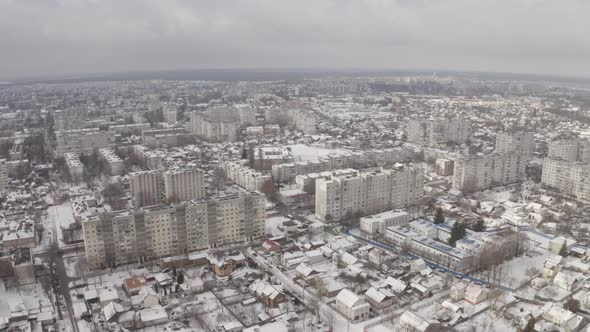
(107, 295)
(411, 322)
(565, 281)
(306, 272)
(133, 285)
(145, 298)
(561, 317)
(271, 246)
(352, 306)
(378, 299)
(155, 315)
(224, 264)
(270, 295)
(475, 294)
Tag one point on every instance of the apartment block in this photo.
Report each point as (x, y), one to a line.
(123, 237)
(245, 176)
(216, 125)
(184, 184)
(150, 159)
(165, 137)
(115, 164)
(434, 132)
(264, 157)
(83, 141)
(368, 192)
(3, 176)
(74, 165)
(170, 113)
(484, 172)
(570, 177)
(358, 159)
(174, 185)
(570, 150)
(520, 142)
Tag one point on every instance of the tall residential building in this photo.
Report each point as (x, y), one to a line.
(158, 186)
(434, 132)
(216, 125)
(570, 177)
(368, 192)
(74, 165)
(147, 188)
(170, 113)
(184, 184)
(484, 172)
(522, 143)
(83, 141)
(570, 150)
(123, 237)
(114, 162)
(3, 176)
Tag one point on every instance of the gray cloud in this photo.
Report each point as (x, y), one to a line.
(47, 37)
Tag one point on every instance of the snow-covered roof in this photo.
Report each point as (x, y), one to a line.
(153, 314)
(375, 295)
(348, 298)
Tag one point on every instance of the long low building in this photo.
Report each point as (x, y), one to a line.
(377, 223)
(358, 159)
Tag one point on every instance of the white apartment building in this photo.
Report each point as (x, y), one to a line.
(150, 159)
(434, 132)
(115, 163)
(123, 237)
(74, 165)
(3, 176)
(245, 176)
(170, 113)
(147, 188)
(484, 172)
(570, 177)
(359, 159)
(157, 187)
(216, 125)
(521, 142)
(184, 185)
(368, 192)
(570, 150)
(83, 141)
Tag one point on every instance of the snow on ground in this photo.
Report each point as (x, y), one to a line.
(62, 216)
(486, 321)
(272, 223)
(302, 152)
(516, 269)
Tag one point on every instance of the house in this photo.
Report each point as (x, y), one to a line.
(145, 298)
(551, 266)
(561, 317)
(270, 295)
(155, 315)
(396, 285)
(314, 256)
(306, 272)
(565, 281)
(475, 294)
(271, 246)
(223, 264)
(107, 295)
(377, 299)
(133, 285)
(352, 306)
(164, 279)
(233, 326)
(411, 322)
(111, 311)
(458, 291)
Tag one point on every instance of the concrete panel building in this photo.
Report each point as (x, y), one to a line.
(484, 172)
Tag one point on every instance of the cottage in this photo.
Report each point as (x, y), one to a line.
(133, 285)
(458, 291)
(270, 295)
(411, 322)
(107, 295)
(155, 315)
(377, 299)
(306, 272)
(475, 294)
(352, 306)
(565, 281)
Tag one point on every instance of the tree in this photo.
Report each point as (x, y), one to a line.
(219, 178)
(174, 272)
(479, 226)
(530, 325)
(439, 218)
(563, 250)
(572, 304)
(269, 189)
(457, 233)
(180, 278)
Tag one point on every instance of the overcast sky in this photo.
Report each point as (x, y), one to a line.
(55, 37)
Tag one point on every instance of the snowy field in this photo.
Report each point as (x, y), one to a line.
(302, 152)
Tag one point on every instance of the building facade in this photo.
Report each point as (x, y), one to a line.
(83, 141)
(521, 142)
(569, 177)
(484, 172)
(368, 192)
(130, 236)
